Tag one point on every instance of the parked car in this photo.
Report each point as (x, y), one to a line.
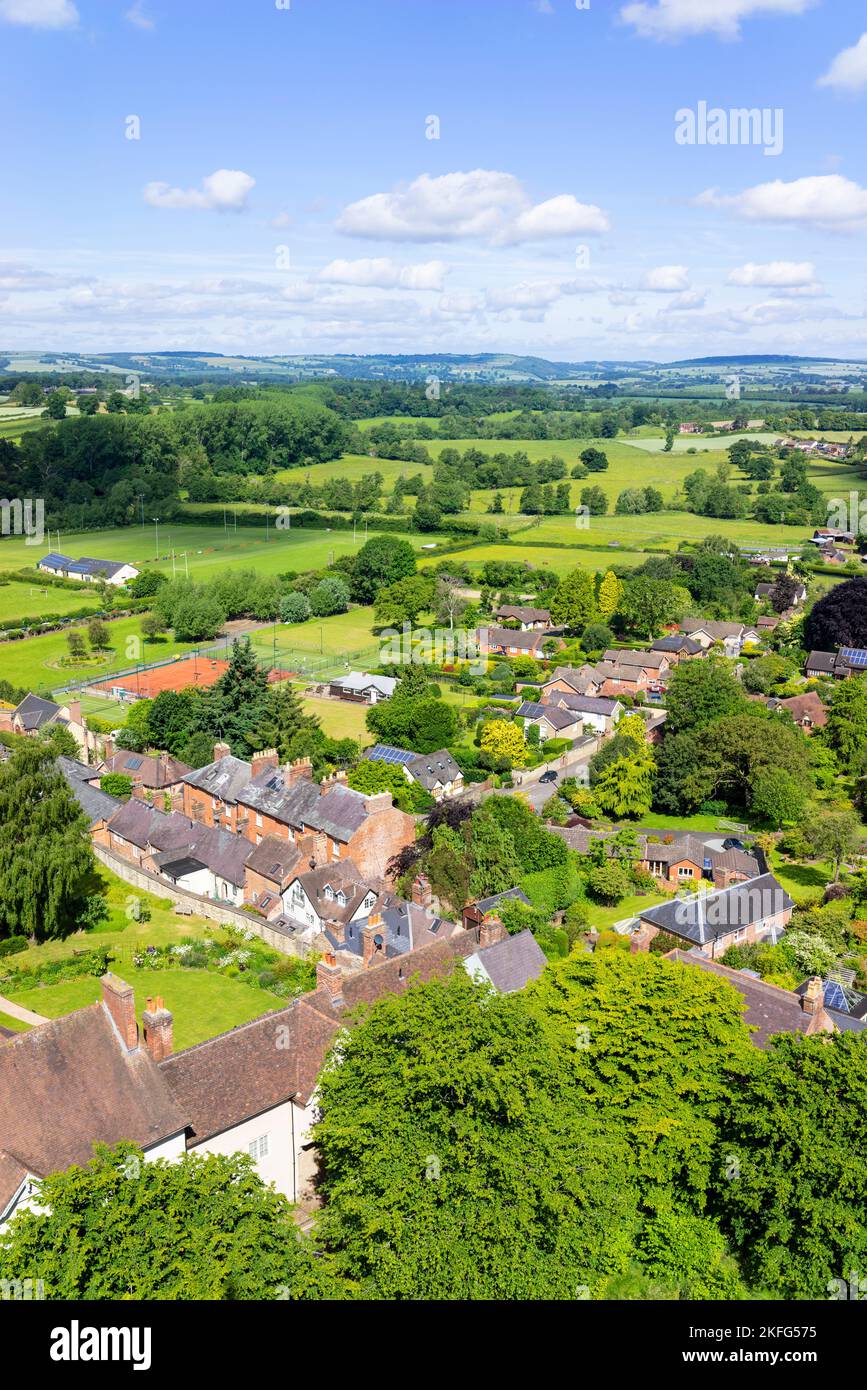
(549, 776)
(732, 843)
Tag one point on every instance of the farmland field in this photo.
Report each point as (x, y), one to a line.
(560, 560)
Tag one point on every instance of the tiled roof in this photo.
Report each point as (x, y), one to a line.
(274, 858)
(70, 1082)
(164, 771)
(769, 1009)
(677, 642)
(524, 615)
(429, 769)
(357, 681)
(485, 905)
(718, 631)
(557, 717)
(585, 704)
(622, 656)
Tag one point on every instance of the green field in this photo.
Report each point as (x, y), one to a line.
(208, 549)
(561, 561)
(32, 600)
(320, 647)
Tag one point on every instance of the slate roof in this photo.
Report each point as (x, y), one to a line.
(88, 565)
(429, 769)
(586, 704)
(510, 964)
(143, 825)
(678, 642)
(708, 917)
(34, 712)
(578, 677)
(95, 803)
(274, 858)
(69, 1082)
(509, 637)
(152, 772)
(224, 853)
(224, 778)
(339, 811)
(485, 905)
(691, 848)
(556, 716)
(358, 681)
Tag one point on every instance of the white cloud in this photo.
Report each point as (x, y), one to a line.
(39, 14)
(688, 301)
(848, 72)
(774, 274)
(136, 16)
(385, 274)
(482, 203)
(823, 200)
(666, 278)
(226, 190)
(674, 19)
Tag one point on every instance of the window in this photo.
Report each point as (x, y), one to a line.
(341, 898)
(329, 892)
(258, 820)
(684, 871)
(259, 1147)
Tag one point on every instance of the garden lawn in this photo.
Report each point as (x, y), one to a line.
(203, 1002)
(602, 917)
(803, 882)
(340, 718)
(13, 1024)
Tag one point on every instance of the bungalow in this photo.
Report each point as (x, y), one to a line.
(756, 910)
(731, 636)
(600, 713)
(87, 570)
(846, 661)
(363, 688)
(808, 711)
(675, 860)
(503, 641)
(764, 591)
(529, 619)
(436, 773)
(651, 664)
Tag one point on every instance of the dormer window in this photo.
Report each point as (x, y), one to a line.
(341, 898)
(329, 892)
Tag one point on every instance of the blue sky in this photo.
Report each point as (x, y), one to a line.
(283, 195)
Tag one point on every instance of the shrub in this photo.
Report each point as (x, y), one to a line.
(12, 945)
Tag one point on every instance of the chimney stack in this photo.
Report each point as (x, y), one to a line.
(158, 1027)
(119, 1000)
(422, 893)
(268, 757)
(372, 944)
(294, 771)
(491, 931)
(380, 801)
(221, 750)
(814, 996)
(74, 707)
(329, 977)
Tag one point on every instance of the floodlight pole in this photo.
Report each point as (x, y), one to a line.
(156, 522)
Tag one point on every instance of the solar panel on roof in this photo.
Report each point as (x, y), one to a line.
(384, 753)
(854, 656)
(133, 764)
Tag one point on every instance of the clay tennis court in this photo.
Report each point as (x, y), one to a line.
(174, 675)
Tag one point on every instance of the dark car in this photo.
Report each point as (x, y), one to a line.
(732, 843)
(549, 776)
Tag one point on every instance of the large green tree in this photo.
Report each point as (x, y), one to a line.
(381, 561)
(46, 862)
(205, 1227)
(700, 691)
(790, 1178)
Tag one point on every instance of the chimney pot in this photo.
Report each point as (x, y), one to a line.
(491, 931)
(814, 996)
(158, 1029)
(221, 750)
(330, 978)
